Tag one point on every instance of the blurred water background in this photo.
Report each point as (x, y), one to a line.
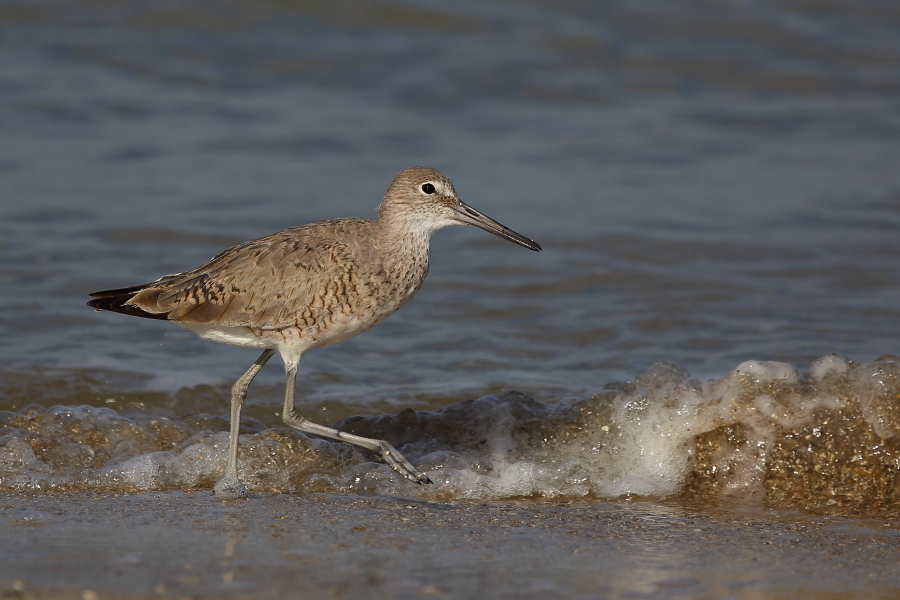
(713, 182)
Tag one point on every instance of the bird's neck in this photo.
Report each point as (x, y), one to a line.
(405, 246)
(405, 234)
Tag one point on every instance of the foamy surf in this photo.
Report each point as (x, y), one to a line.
(764, 432)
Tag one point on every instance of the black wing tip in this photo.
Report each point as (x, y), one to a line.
(129, 291)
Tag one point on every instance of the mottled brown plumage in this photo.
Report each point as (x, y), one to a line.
(310, 286)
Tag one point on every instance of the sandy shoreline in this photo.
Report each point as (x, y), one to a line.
(178, 545)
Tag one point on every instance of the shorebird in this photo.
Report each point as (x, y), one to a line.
(307, 287)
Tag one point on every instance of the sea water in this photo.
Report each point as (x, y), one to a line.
(714, 315)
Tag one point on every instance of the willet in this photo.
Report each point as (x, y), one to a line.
(308, 287)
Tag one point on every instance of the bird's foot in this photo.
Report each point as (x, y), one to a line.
(388, 453)
(398, 462)
(230, 488)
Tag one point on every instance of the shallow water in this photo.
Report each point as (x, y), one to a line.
(327, 545)
(716, 187)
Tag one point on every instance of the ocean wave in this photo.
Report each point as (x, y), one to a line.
(762, 433)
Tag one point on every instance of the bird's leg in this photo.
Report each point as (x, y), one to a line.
(385, 451)
(230, 486)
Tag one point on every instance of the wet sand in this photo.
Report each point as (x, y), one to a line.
(180, 545)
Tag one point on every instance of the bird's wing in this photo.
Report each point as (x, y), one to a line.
(290, 277)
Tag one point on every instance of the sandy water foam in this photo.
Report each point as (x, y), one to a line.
(763, 432)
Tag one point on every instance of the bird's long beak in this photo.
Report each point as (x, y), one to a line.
(468, 215)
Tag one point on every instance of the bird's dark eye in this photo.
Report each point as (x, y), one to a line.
(428, 188)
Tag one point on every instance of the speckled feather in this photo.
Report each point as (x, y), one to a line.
(296, 277)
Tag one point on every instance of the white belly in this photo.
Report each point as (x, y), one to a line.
(234, 336)
(291, 340)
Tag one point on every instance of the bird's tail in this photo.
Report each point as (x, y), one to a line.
(118, 301)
